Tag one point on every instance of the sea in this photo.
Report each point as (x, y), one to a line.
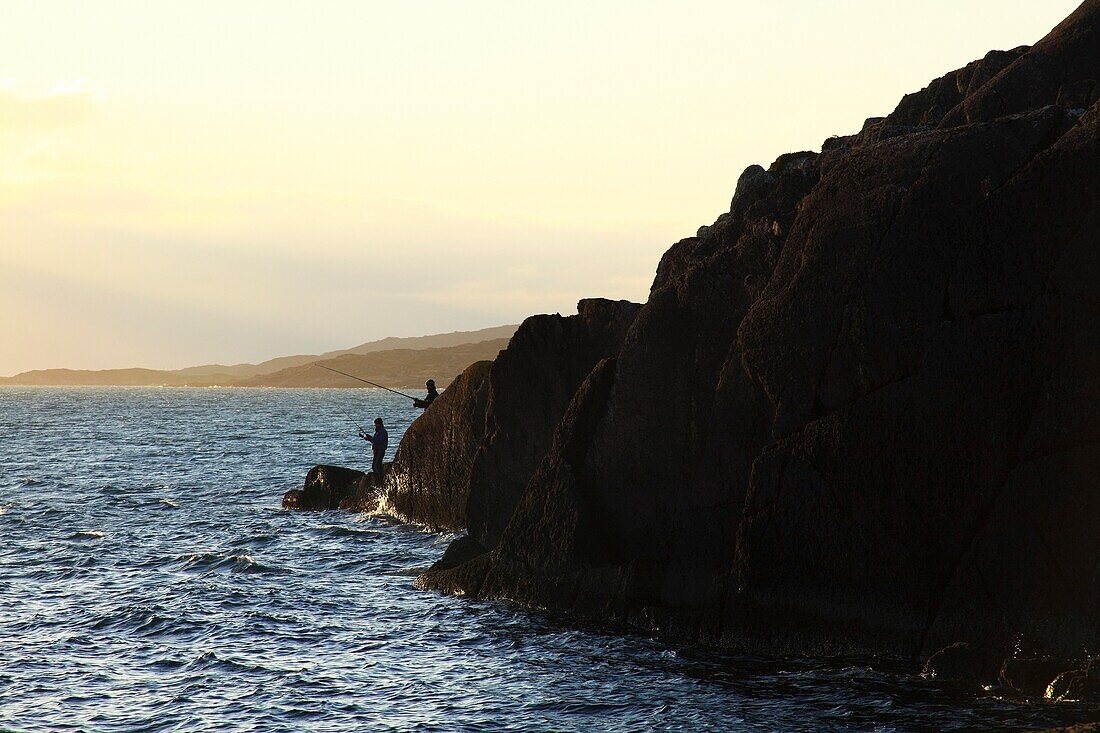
(150, 581)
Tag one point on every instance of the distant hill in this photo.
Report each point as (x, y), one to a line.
(393, 362)
(103, 378)
(271, 366)
(397, 368)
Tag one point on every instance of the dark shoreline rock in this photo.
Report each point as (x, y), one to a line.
(430, 478)
(329, 487)
(1030, 677)
(960, 662)
(855, 415)
(530, 386)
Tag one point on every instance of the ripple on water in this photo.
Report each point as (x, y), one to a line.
(260, 538)
(339, 530)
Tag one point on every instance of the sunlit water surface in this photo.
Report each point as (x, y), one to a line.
(149, 581)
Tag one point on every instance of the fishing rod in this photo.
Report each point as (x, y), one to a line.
(365, 381)
(349, 417)
(303, 370)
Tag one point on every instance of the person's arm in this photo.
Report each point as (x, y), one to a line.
(364, 436)
(419, 403)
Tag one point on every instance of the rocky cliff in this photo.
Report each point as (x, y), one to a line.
(430, 477)
(858, 413)
(530, 386)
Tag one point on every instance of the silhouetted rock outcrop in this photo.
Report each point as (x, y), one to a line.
(1063, 68)
(429, 481)
(328, 487)
(857, 413)
(530, 385)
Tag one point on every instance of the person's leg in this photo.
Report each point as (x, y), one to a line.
(376, 468)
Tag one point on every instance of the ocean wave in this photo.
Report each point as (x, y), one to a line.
(260, 538)
(44, 480)
(87, 534)
(408, 572)
(339, 530)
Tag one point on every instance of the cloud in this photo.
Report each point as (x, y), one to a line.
(55, 111)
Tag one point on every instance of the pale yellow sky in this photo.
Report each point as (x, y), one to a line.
(229, 181)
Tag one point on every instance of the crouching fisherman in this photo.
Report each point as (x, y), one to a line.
(429, 398)
(379, 442)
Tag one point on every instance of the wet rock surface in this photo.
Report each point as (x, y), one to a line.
(1077, 685)
(430, 477)
(857, 414)
(959, 662)
(1031, 677)
(329, 487)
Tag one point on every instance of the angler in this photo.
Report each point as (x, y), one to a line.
(417, 402)
(379, 442)
(429, 398)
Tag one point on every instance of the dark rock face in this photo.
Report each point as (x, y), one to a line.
(959, 662)
(1031, 676)
(858, 413)
(927, 108)
(328, 487)
(1067, 57)
(555, 504)
(530, 385)
(906, 341)
(430, 477)
(1082, 685)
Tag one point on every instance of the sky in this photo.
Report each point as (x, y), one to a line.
(185, 183)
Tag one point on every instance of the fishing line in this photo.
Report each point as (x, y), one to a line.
(365, 381)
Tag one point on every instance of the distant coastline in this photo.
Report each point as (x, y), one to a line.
(394, 362)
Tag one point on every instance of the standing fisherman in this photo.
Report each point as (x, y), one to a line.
(430, 398)
(379, 442)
